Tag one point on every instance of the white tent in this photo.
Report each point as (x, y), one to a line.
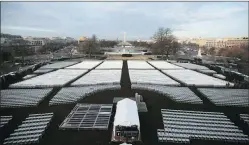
(126, 113)
(125, 144)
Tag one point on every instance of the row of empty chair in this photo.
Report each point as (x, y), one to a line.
(4, 120)
(29, 76)
(74, 94)
(226, 97)
(31, 130)
(139, 64)
(11, 98)
(192, 66)
(42, 71)
(57, 78)
(13, 77)
(193, 78)
(58, 65)
(207, 71)
(111, 64)
(151, 77)
(245, 118)
(86, 64)
(181, 126)
(164, 65)
(98, 77)
(88, 116)
(178, 94)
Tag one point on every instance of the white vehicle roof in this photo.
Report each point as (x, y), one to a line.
(126, 113)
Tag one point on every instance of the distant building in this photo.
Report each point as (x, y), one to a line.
(218, 42)
(3, 40)
(57, 40)
(36, 41)
(82, 39)
(69, 39)
(11, 37)
(230, 42)
(8, 39)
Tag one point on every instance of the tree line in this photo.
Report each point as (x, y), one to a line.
(165, 43)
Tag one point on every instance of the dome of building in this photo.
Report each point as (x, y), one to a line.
(82, 38)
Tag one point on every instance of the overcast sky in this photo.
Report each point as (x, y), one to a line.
(108, 20)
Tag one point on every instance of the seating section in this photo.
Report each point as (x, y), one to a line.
(57, 78)
(164, 65)
(42, 71)
(181, 126)
(99, 77)
(4, 120)
(207, 71)
(88, 116)
(111, 64)
(245, 118)
(193, 78)
(151, 77)
(220, 76)
(192, 66)
(58, 65)
(138, 64)
(226, 97)
(31, 130)
(74, 94)
(11, 98)
(85, 65)
(29, 76)
(178, 94)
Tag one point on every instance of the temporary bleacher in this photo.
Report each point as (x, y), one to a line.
(151, 77)
(29, 76)
(11, 98)
(159, 64)
(193, 78)
(111, 64)
(4, 120)
(192, 66)
(181, 126)
(58, 65)
(86, 64)
(43, 71)
(31, 130)
(73, 94)
(138, 64)
(178, 94)
(245, 118)
(99, 77)
(226, 97)
(57, 78)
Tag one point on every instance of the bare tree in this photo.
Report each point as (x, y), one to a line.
(211, 51)
(93, 45)
(164, 41)
(81, 47)
(89, 46)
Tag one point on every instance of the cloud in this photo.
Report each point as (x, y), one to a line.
(138, 19)
(27, 29)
